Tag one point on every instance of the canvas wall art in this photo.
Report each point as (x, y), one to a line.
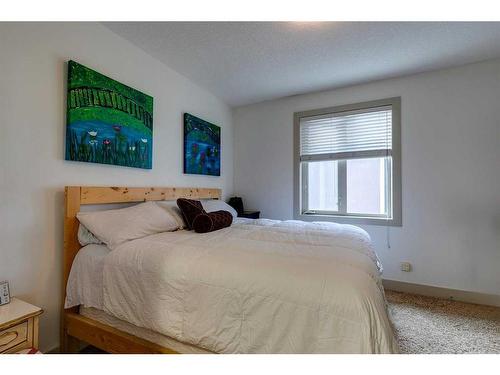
(201, 146)
(107, 121)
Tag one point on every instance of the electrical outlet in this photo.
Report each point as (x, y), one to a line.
(406, 266)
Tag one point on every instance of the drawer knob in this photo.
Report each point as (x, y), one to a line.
(7, 337)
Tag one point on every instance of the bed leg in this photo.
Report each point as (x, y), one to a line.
(69, 344)
(73, 344)
(64, 341)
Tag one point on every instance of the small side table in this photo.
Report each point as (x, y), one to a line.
(250, 214)
(18, 326)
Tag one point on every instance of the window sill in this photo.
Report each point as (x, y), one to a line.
(394, 222)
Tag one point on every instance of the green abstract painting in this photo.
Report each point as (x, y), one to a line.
(107, 121)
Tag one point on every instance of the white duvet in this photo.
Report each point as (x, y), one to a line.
(259, 286)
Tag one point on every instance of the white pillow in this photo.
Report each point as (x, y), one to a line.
(211, 205)
(114, 227)
(173, 209)
(85, 237)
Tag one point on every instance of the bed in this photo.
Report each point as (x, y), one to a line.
(259, 286)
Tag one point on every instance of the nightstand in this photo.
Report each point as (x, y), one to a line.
(18, 326)
(250, 214)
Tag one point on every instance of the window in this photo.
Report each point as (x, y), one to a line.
(348, 163)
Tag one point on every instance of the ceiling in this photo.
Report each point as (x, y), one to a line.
(249, 62)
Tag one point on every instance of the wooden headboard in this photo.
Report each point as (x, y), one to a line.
(76, 196)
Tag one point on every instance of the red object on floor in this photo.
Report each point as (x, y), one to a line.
(29, 351)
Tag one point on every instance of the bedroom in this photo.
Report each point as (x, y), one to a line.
(421, 235)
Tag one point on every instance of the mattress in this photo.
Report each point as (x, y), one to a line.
(260, 286)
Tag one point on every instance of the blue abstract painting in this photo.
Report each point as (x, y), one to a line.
(201, 146)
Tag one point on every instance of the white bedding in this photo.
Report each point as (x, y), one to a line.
(85, 279)
(259, 286)
(85, 289)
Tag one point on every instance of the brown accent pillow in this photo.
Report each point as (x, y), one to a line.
(190, 209)
(208, 222)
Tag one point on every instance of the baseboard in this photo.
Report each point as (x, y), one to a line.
(451, 294)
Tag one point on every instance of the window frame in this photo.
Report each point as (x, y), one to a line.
(300, 189)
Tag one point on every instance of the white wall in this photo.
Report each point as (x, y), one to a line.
(450, 168)
(33, 171)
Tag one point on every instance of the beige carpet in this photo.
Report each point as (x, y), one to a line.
(433, 325)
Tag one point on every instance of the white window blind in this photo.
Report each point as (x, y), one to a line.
(347, 135)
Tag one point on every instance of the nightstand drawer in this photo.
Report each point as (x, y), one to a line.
(13, 336)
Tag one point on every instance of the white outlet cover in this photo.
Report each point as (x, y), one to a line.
(406, 267)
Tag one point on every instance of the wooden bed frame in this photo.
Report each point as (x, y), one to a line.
(75, 327)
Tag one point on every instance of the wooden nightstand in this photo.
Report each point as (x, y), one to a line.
(250, 214)
(18, 326)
